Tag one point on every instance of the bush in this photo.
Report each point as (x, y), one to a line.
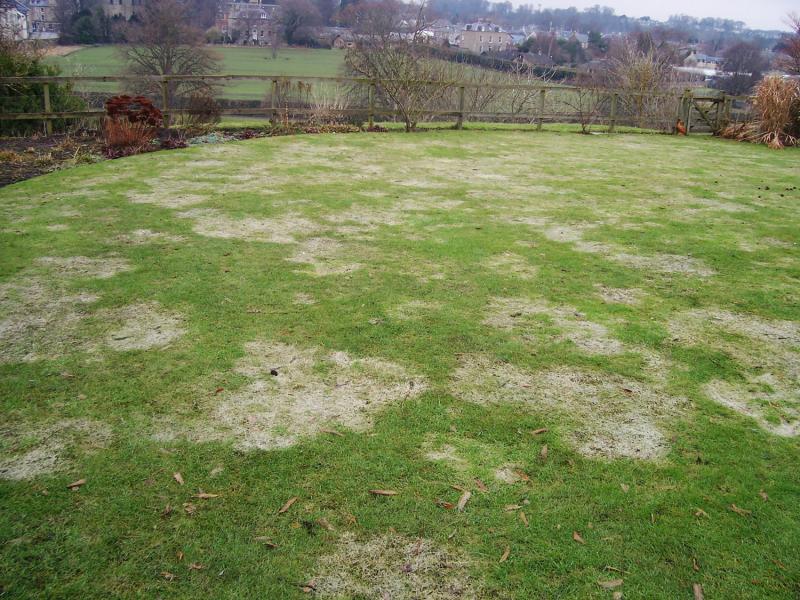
(135, 109)
(201, 109)
(18, 59)
(130, 126)
(777, 115)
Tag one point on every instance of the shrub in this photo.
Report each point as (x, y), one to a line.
(130, 126)
(777, 115)
(136, 109)
(201, 109)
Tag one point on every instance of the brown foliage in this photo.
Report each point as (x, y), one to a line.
(777, 108)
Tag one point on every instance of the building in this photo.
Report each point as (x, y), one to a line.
(248, 22)
(42, 21)
(122, 9)
(14, 19)
(698, 60)
(573, 36)
(483, 37)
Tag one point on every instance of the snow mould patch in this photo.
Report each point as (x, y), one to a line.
(508, 474)
(312, 390)
(278, 230)
(167, 197)
(57, 227)
(413, 309)
(516, 313)
(303, 299)
(83, 267)
(449, 455)
(512, 264)
(629, 296)
(146, 236)
(396, 567)
(142, 326)
(28, 453)
(324, 257)
(612, 416)
(769, 352)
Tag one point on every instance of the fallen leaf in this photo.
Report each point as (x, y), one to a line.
(480, 485)
(76, 484)
(522, 475)
(332, 432)
(779, 564)
(167, 575)
(625, 487)
(577, 537)
(510, 507)
(205, 496)
(697, 590)
(543, 452)
(383, 492)
(763, 495)
(695, 564)
(458, 488)
(506, 554)
(445, 504)
(167, 511)
(740, 511)
(325, 524)
(610, 584)
(189, 508)
(196, 567)
(540, 431)
(266, 541)
(218, 391)
(178, 477)
(523, 518)
(700, 513)
(462, 502)
(288, 505)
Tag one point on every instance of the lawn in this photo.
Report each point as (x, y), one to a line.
(476, 364)
(299, 62)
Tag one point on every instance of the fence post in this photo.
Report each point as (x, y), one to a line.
(689, 97)
(542, 94)
(460, 122)
(371, 113)
(718, 117)
(48, 124)
(273, 119)
(165, 100)
(612, 122)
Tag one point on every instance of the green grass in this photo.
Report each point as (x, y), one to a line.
(299, 62)
(453, 221)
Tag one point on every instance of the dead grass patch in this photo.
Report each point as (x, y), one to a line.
(413, 309)
(84, 267)
(139, 237)
(520, 315)
(629, 296)
(279, 230)
(512, 264)
(394, 566)
(33, 452)
(312, 390)
(142, 327)
(612, 416)
(324, 256)
(769, 352)
(303, 299)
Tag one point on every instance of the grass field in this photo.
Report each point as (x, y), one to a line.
(571, 363)
(299, 62)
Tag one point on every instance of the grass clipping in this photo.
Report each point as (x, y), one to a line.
(393, 566)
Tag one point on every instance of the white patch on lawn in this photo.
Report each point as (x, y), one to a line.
(396, 567)
(139, 237)
(612, 416)
(312, 390)
(142, 326)
(413, 309)
(83, 267)
(277, 230)
(324, 255)
(512, 264)
(769, 352)
(516, 313)
(629, 296)
(32, 452)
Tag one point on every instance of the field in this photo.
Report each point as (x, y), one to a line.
(452, 364)
(299, 62)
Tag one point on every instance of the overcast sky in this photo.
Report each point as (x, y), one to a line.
(758, 14)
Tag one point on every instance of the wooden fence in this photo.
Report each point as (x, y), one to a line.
(531, 102)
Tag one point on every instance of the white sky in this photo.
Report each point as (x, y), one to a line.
(761, 14)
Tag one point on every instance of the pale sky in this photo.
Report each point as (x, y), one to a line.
(761, 14)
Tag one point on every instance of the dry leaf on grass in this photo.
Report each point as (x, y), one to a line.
(740, 511)
(523, 518)
(76, 484)
(697, 590)
(462, 502)
(205, 496)
(178, 477)
(539, 431)
(196, 567)
(325, 524)
(510, 507)
(543, 452)
(168, 576)
(383, 492)
(266, 541)
(189, 508)
(763, 495)
(288, 505)
(167, 511)
(506, 554)
(480, 485)
(625, 487)
(610, 584)
(700, 513)
(179, 555)
(577, 537)
(332, 432)
(522, 475)
(445, 504)
(695, 564)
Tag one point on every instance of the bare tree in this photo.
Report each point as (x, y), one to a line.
(296, 17)
(587, 100)
(789, 47)
(164, 42)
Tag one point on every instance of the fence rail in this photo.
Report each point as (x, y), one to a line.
(290, 97)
